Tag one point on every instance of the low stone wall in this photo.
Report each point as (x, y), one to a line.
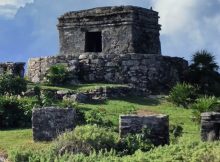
(158, 126)
(150, 73)
(210, 126)
(99, 94)
(48, 123)
(16, 68)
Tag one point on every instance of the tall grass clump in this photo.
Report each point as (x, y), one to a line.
(204, 104)
(183, 94)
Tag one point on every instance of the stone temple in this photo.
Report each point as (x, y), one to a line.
(110, 30)
(113, 45)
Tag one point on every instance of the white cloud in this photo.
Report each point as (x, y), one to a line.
(175, 15)
(9, 8)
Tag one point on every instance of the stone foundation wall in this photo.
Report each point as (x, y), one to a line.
(157, 125)
(16, 69)
(150, 73)
(48, 123)
(210, 126)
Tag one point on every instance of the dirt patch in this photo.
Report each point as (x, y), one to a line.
(143, 112)
(3, 156)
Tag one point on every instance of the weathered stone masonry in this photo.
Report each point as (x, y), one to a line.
(113, 45)
(113, 30)
(210, 126)
(152, 73)
(49, 122)
(157, 125)
(16, 69)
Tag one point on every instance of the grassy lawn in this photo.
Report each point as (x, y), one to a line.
(10, 139)
(177, 115)
(78, 88)
(23, 138)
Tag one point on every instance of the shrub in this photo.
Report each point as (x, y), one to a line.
(183, 94)
(176, 131)
(15, 112)
(187, 152)
(85, 139)
(12, 85)
(133, 142)
(204, 104)
(57, 75)
(96, 116)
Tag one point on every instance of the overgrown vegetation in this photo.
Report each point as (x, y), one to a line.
(12, 85)
(57, 75)
(183, 94)
(204, 104)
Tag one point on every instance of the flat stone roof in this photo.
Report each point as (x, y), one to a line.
(105, 11)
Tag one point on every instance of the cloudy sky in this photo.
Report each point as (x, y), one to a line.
(28, 27)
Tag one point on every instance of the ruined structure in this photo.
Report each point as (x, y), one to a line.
(113, 45)
(210, 126)
(157, 127)
(49, 122)
(16, 69)
(110, 30)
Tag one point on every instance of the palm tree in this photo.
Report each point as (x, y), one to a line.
(204, 72)
(204, 61)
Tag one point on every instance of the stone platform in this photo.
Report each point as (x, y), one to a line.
(151, 73)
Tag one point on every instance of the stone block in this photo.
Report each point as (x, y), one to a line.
(49, 122)
(210, 126)
(158, 126)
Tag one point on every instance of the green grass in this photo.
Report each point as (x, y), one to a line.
(177, 115)
(78, 88)
(23, 138)
(11, 139)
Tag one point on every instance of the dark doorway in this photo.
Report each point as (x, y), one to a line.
(93, 42)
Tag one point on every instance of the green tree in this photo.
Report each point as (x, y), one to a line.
(204, 72)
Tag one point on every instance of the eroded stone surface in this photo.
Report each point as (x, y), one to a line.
(123, 29)
(157, 125)
(210, 126)
(16, 69)
(150, 73)
(49, 122)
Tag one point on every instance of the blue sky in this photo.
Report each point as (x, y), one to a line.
(28, 27)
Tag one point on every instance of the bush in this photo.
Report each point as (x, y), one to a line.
(57, 75)
(85, 139)
(15, 112)
(12, 85)
(187, 152)
(204, 104)
(183, 94)
(176, 131)
(133, 142)
(96, 116)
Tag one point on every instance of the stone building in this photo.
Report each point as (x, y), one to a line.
(113, 45)
(16, 69)
(117, 30)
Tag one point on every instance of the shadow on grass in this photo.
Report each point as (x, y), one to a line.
(140, 100)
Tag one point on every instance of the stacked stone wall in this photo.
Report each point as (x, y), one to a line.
(150, 73)
(16, 68)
